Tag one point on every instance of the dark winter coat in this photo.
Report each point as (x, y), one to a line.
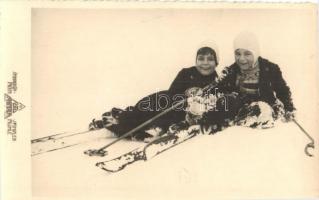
(271, 83)
(188, 78)
(134, 116)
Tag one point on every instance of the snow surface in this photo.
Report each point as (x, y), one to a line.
(237, 162)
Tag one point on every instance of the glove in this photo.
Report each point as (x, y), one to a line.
(289, 115)
(281, 113)
(233, 95)
(210, 102)
(196, 105)
(194, 91)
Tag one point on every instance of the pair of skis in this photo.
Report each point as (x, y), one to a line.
(149, 150)
(101, 151)
(143, 153)
(62, 140)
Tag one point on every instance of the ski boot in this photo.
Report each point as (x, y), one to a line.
(149, 134)
(96, 125)
(183, 125)
(108, 119)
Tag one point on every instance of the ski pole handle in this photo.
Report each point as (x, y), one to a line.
(311, 144)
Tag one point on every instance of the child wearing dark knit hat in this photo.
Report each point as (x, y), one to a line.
(188, 79)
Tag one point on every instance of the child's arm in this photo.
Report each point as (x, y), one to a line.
(179, 84)
(281, 88)
(226, 80)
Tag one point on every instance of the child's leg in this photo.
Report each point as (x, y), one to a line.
(256, 115)
(226, 110)
(144, 110)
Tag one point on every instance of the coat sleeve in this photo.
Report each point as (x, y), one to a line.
(281, 89)
(178, 85)
(225, 82)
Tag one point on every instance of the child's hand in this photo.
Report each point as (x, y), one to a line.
(194, 91)
(289, 116)
(196, 105)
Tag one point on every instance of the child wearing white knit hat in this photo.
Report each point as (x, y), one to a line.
(257, 85)
(246, 49)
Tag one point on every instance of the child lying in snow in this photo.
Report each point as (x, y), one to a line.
(188, 79)
(256, 92)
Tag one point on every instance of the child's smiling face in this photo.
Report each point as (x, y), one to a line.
(205, 64)
(244, 58)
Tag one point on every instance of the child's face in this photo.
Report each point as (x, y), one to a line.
(205, 64)
(244, 58)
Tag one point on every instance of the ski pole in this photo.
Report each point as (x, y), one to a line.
(102, 152)
(311, 144)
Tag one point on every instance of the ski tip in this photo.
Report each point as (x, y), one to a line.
(101, 166)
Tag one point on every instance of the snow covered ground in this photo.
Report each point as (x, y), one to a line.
(236, 163)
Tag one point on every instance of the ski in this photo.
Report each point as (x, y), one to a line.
(41, 151)
(149, 150)
(57, 136)
(61, 141)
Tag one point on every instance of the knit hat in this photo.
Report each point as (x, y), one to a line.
(248, 41)
(207, 50)
(213, 46)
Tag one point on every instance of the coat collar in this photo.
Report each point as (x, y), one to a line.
(263, 67)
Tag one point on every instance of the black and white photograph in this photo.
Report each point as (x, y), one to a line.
(166, 102)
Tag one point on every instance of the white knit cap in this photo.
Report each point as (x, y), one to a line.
(248, 41)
